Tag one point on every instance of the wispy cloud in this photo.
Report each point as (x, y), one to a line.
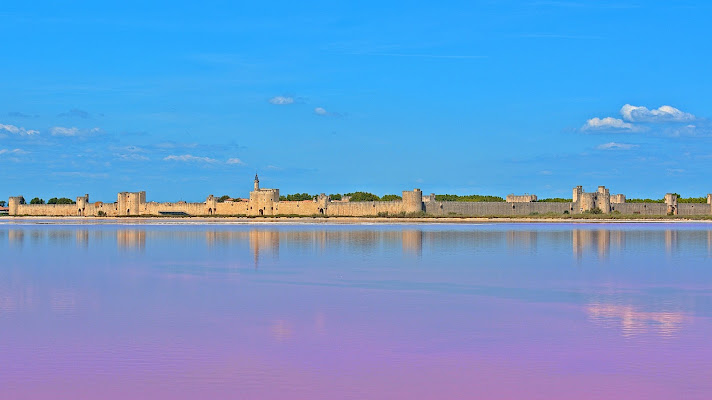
(73, 131)
(616, 146)
(607, 124)
(281, 100)
(235, 161)
(662, 114)
(62, 131)
(421, 55)
(17, 114)
(190, 158)
(16, 130)
(13, 151)
(82, 174)
(323, 113)
(131, 157)
(75, 113)
(557, 36)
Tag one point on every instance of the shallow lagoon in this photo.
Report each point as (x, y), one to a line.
(547, 311)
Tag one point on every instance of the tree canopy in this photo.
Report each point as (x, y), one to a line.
(469, 197)
(297, 197)
(222, 198)
(555, 200)
(61, 200)
(363, 196)
(37, 200)
(391, 197)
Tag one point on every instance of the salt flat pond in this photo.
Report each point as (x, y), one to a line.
(571, 311)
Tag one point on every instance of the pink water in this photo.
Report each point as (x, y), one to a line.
(529, 311)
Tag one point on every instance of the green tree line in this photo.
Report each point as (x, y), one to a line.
(469, 197)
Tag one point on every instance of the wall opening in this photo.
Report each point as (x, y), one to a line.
(321, 211)
(262, 212)
(210, 211)
(128, 211)
(79, 213)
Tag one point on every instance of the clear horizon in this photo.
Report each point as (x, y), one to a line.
(184, 100)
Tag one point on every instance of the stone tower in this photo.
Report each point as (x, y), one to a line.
(257, 183)
(412, 200)
(578, 190)
(671, 203)
(13, 204)
(82, 202)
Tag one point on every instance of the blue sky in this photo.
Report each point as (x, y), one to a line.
(185, 99)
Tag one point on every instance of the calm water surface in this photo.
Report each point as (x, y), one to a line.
(500, 311)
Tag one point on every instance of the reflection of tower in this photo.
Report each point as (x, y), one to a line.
(16, 236)
(261, 240)
(618, 239)
(131, 239)
(412, 241)
(670, 241)
(604, 242)
(82, 237)
(584, 238)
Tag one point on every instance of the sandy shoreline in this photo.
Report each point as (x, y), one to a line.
(331, 220)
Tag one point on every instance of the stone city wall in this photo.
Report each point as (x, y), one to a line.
(266, 202)
(441, 208)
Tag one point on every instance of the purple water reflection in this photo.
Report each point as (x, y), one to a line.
(541, 311)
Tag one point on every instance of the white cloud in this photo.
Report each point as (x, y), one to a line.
(662, 114)
(281, 100)
(616, 146)
(322, 112)
(608, 123)
(18, 130)
(131, 157)
(73, 131)
(235, 161)
(189, 158)
(62, 131)
(13, 151)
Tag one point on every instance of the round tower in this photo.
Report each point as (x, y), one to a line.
(412, 201)
(257, 183)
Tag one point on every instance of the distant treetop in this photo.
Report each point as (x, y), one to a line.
(469, 197)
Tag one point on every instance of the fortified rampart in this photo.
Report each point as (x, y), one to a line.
(266, 202)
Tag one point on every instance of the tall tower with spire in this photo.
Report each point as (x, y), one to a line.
(257, 183)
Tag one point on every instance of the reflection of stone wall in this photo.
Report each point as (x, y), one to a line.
(131, 238)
